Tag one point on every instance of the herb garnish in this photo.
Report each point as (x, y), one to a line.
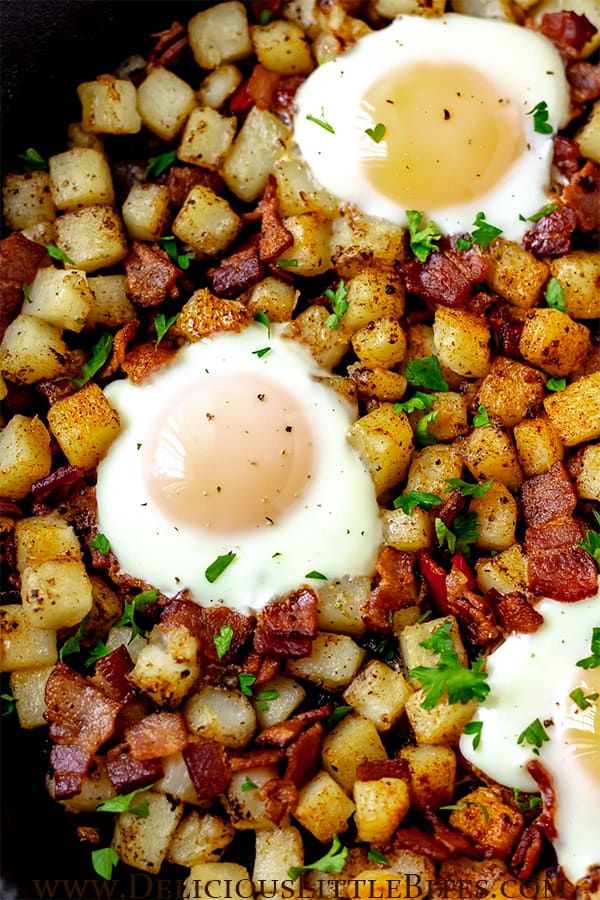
(333, 861)
(123, 804)
(286, 263)
(34, 161)
(555, 296)
(217, 567)
(96, 653)
(314, 574)
(339, 305)
(425, 372)
(423, 241)
(483, 233)
(104, 861)
(420, 401)
(169, 245)
(246, 680)
(249, 785)
(262, 352)
(460, 683)
(465, 803)
(593, 661)
(159, 164)
(99, 354)
(264, 320)
(466, 488)
(463, 243)
(544, 211)
(376, 134)
(481, 418)
(162, 325)
(322, 122)
(73, 644)
(338, 714)
(535, 735)
(531, 803)
(591, 545)
(265, 16)
(223, 640)
(474, 728)
(422, 435)
(556, 384)
(540, 118)
(11, 704)
(56, 253)
(377, 857)
(409, 501)
(136, 605)
(100, 543)
(465, 531)
(264, 698)
(583, 701)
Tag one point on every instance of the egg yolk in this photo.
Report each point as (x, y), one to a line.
(232, 454)
(450, 135)
(582, 734)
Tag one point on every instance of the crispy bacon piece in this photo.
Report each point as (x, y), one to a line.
(567, 30)
(236, 273)
(552, 235)
(169, 46)
(122, 339)
(111, 675)
(181, 179)
(263, 667)
(159, 734)
(561, 533)
(546, 820)
(507, 329)
(253, 759)
(69, 764)
(56, 389)
(284, 96)
(289, 626)
(20, 259)
(58, 485)
(447, 278)
(528, 852)
(314, 715)
(182, 612)
(213, 619)
(456, 844)
(261, 86)
(208, 767)
(280, 734)
(418, 841)
(9, 509)
(384, 768)
(146, 360)
(584, 81)
(454, 504)
(151, 275)
(304, 755)
(472, 611)
(582, 196)
(281, 798)
(514, 612)
(87, 834)
(274, 236)
(127, 774)
(566, 575)
(395, 588)
(547, 496)
(566, 155)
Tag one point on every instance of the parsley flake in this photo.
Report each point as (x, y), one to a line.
(481, 418)
(338, 714)
(262, 352)
(286, 263)
(246, 680)
(134, 606)
(123, 804)
(264, 320)
(544, 211)
(339, 305)
(555, 296)
(27, 293)
(314, 574)
(169, 245)
(104, 861)
(464, 243)
(424, 616)
(593, 661)
(100, 543)
(466, 488)
(98, 357)
(425, 372)
(484, 233)
(217, 567)
(474, 728)
(420, 401)
(591, 544)
(459, 683)
(540, 118)
(223, 640)
(423, 241)
(162, 325)
(159, 164)
(9, 702)
(556, 384)
(376, 134)
(322, 122)
(527, 805)
(249, 785)
(333, 861)
(535, 735)
(56, 253)
(34, 161)
(265, 16)
(422, 435)
(582, 700)
(409, 501)
(264, 698)
(73, 644)
(465, 531)
(96, 653)
(377, 857)
(465, 803)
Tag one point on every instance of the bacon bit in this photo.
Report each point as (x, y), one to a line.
(383, 768)
(151, 275)
(552, 234)
(447, 278)
(263, 667)
(480, 302)
(122, 338)
(20, 259)
(567, 30)
(561, 533)
(255, 759)
(547, 496)
(274, 236)
(159, 734)
(566, 155)
(418, 841)
(528, 852)
(394, 590)
(127, 774)
(506, 329)
(111, 675)
(146, 360)
(280, 734)
(304, 755)
(9, 509)
(582, 195)
(284, 97)
(314, 715)
(584, 81)
(543, 780)
(472, 611)
(456, 844)
(169, 46)
(435, 577)
(281, 798)
(261, 86)
(236, 273)
(69, 764)
(86, 834)
(515, 612)
(212, 620)
(208, 767)
(451, 507)
(57, 389)
(565, 575)
(58, 485)
(289, 626)
(181, 179)
(182, 612)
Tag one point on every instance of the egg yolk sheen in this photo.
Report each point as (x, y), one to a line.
(230, 455)
(450, 136)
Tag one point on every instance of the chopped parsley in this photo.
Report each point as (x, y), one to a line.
(375, 856)
(169, 245)
(217, 567)
(96, 653)
(424, 616)
(425, 372)
(591, 544)
(555, 296)
(262, 352)
(556, 384)
(249, 785)
(465, 803)
(535, 735)
(481, 418)
(27, 292)
(134, 606)
(162, 325)
(531, 803)
(322, 122)
(464, 243)
(56, 253)
(593, 661)
(73, 644)
(465, 531)
(314, 574)
(339, 713)
(376, 134)
(333, 861)
(583, 701)
(540, 118)
(286, 263)
(420, 401)
(98, 357)
(544, 211)
(339, 305)
(9, 703)
(422, 435)
(474, 728)
(466, 488)
(264, 319)
(246, 680)
(264, 698)
(460, 683)
(34, 161)
(265, 16)
(100, 543)
(104, 861)
(423, 241)
(223, 640)
(409, 501)
(159, 164)
(484, 233)
(123, 804)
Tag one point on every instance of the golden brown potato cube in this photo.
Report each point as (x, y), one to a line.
(26, 200)
(462, 341)
(61, 297)
(588, 137)
(432, 775)
(109, 106)
(311, 250)
(218, 86)
(282, 47)
(276, 852)
(167, 667)
(443, 724)
(420, 344)
(199, 839)
(506, 572)
(407, 532)
(450, 421)
(496, 517)
(538, 445)
(384, 438)
(379, 383)
(359, 241)
(28, 687)
(85, 425)
(207, 138)
(413, 654)
(223, 715)
(380, 807)
(143, 842)
(588, 479)
(371, 295)
(22, 645)
(575, 412)
(488, 820)
(290, 695)
(516, 274)
(379, 693)
(332, 664)
(432, 467)
(24, 456)
(274, 297)
(220, 35)
(245, 807)
(489, 453)
(92, 237)
(252, 156)
(31, 350)
(510, 390)
(204, 314)
(217, 881)
(206, 222)
(110, 304)
(579, 276)
(327, 345)
(164, 102)
(341, 603)
(554, 342)
(353, 741)
(80, 177)
(56, 594)
(176, 781)
(323, 807)
(380, 344)
(77, 137)
(40, 538)
(146, 211)
(297, 190)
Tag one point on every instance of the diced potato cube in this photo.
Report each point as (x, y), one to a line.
(274, 297)
(146, 211)
(218, 86)
(413, 654)
(341, 603)
(276, 852)
(290, 695)
(204, 314)
(579, 276)
(143, 842)
(24, 456)
(488, 820)
(199, 839)
(61, 297)
(282, 47)
(497, 515)
(490, 454)
(323, 807)
(432, 775)
(109, 106)
(176, 781)
(123, 637)
(40, 538)
(371, 296)
(56, 594)
(443, 724)
(407, 532)
(31, 350)
(462, 341)
(380, 807)
(588, 479)
(326, 345)
(28, 688)
(110, 304)
(379, 383)
(510, 390)
(217, 881)
(538, 445)
(588, 137)
(22, 645)
(220, 35)
(207, 138)
(554, 342)
(297, 190)
(359, 241)
(26, 200)
(516, 274)
(353, 741)
(167, 667)
(85, 425)
(253, 153)
(92, 237)
(385, 440)
(80, 177)
(311, 250)
(431, 468)
(421, 344)
(246, 809)
(575, 412)
(505, 573)
(328, 886)
(164, 102)
(206, 222)
(380, 344)
(450, 421)
(96, 788)
(379, 693)
(332, 664)
(223, 715)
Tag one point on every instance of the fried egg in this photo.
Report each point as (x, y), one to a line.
(531, 677)
(449, 103)
(233, 451)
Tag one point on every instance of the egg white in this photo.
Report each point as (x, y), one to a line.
(524, 65)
